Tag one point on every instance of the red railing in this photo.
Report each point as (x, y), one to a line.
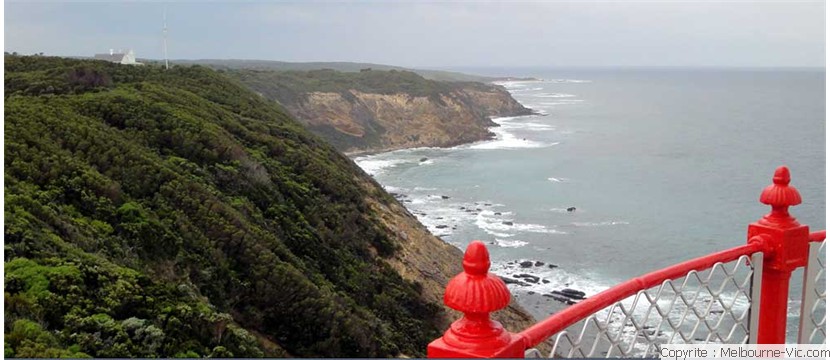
(783, 243)
(567, 317)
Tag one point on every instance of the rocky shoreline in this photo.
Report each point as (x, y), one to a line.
(521, 275)
(489, 136)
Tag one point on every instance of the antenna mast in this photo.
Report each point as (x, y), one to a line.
(164, 39)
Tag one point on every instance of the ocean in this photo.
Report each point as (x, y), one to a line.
(661, 166)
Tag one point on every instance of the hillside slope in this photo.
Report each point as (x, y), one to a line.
(175, 213)
(343, 66)
(384, 110)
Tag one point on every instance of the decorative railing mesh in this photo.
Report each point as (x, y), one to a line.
(813, 325)
(708, 306)
(734, 296)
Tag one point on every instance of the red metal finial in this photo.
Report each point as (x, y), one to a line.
(786, 247)
(476, 259)
(475, 290)
(781, 176)
(476, 293)
(780, 194)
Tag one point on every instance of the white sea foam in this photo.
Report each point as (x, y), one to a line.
(510, 85)
(600, 223)
(505, 139)
(554, 95)
(497, 234)
(557, 278)
(558, 103)
(515, 84)
(419, 188)
(510, 243)
(532, 126)
(505, 226)
(536, 228)
(555, 179)
(417, 200)
(427, 162)
(526, 89)
(570, 81)
(374, 166)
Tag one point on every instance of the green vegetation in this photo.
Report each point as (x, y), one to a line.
(228, 64)
(177, 214)
(290, 86)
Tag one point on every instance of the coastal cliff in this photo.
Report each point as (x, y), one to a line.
(371, 110)
(154, 213)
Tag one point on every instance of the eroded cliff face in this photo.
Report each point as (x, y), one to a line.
(376, 110)
(357, 121)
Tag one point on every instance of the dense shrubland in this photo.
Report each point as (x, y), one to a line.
(177, 214)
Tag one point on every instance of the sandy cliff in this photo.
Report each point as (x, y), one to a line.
(377, 111)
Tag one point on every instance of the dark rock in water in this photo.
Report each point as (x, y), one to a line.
(528, 278)
(510, 263)
(545, 281)
(571, 209)
(396, 195)
(488, 204)
(507, 223)
(454, 227)
(498, 213)
(560, 299)
(531, 293)
(655, 332)
(508, 280)
(441, 226)
(526, 264)
(439, 218)
(407, 201)
(462, 208)
(469, 210)
(512, 281)
(552, 266)
(445, 197)
(443, 236)
(538, 263)
(477, 209)
(559, 293)
(424, 159)
(571, 293)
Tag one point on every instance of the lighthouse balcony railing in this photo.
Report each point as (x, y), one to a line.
(735, 296)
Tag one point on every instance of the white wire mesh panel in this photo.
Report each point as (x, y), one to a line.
(710, 306)
(812, 328)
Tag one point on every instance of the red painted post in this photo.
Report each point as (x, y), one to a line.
(786, 247)
(476, 293)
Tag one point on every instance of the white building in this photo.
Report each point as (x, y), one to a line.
(126, 58)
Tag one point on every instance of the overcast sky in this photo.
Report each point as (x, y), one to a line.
(435, 34)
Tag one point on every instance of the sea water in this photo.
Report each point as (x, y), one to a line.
(661, 166)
